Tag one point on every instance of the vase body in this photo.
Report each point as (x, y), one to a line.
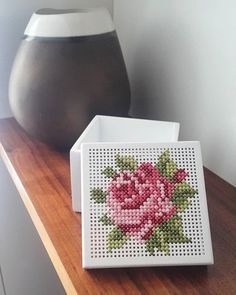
(59, 83)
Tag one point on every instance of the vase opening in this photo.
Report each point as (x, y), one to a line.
(52, 11)
(51, 23)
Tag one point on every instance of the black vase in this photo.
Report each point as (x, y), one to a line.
(68, 69)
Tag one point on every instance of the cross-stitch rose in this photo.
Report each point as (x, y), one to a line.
(138, 201)
(144, 202)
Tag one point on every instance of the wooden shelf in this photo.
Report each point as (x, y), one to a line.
(42, 177)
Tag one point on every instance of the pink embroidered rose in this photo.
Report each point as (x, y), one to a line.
(138, 201)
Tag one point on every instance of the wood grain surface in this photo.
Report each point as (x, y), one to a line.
(45, 176)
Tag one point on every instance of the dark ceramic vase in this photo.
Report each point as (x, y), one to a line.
(68, 69)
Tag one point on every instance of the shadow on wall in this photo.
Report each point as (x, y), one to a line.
(162, 70)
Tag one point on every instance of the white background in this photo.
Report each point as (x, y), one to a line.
(181, 59)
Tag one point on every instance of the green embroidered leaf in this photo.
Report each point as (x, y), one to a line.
(150, 245)
(166, 166)
(170, 169)
(173, 230)
(126, 163)
(182, 203)
(98, 195)
(170, 231)
(106, 220)
(184, 190)
(157, 240)
(116, 239)
(164, 157)
(109, 172)
(161, 167)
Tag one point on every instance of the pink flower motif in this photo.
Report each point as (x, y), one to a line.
(138, 201)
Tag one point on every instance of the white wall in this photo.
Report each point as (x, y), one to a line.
(14, 16)
(181, 59)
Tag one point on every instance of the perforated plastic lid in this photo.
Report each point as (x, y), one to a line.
(144, 204)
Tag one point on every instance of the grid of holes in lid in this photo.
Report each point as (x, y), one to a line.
(184, 157)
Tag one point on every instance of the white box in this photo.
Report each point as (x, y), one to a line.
(144, 204)
(115, 129)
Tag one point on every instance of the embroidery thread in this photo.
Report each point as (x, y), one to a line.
(144, 202)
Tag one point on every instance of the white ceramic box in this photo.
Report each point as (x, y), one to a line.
(116, 129)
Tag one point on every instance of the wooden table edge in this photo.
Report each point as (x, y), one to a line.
(52, 253)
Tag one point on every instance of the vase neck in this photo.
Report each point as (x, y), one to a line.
(69, 23)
